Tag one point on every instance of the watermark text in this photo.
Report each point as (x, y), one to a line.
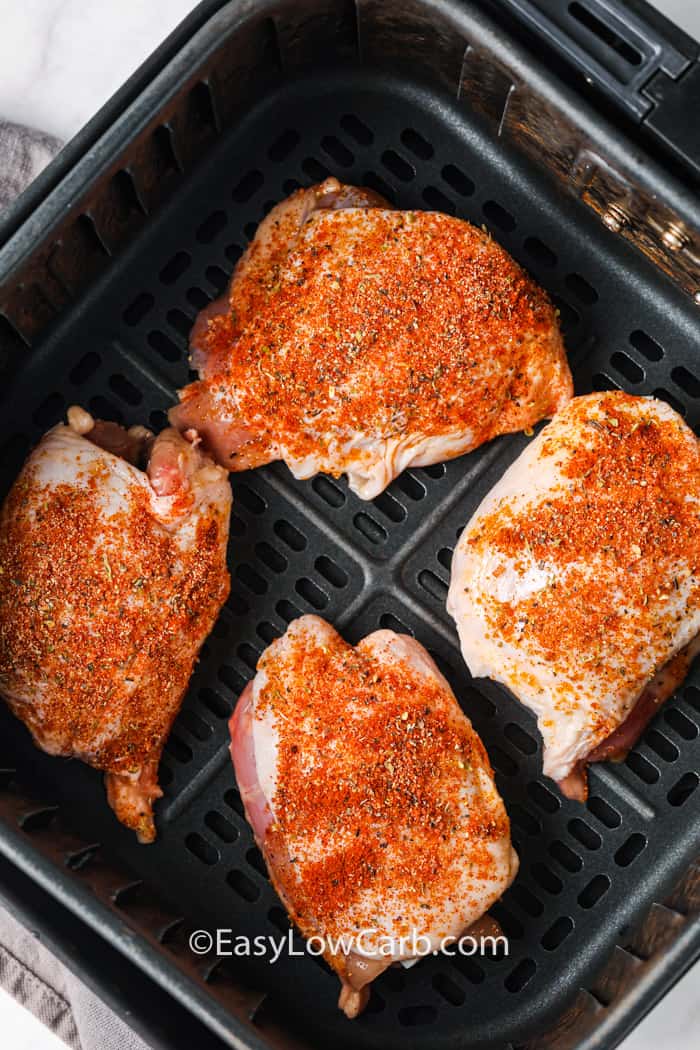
(225, 942)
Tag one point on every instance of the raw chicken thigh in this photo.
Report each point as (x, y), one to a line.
(371, 797)
(576, 583)
(110, 580)
(362, 340)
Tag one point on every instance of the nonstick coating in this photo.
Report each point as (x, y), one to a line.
(586, 871)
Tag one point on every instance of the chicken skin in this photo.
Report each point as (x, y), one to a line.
(577, 582)
(358, 339)
(110, 580)
(371, 798)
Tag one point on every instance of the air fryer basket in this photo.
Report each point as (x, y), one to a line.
(430, 105)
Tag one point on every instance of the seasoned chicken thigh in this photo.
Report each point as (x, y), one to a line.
(577, 581)
(110, 580)
(371, 797)
(362, 340)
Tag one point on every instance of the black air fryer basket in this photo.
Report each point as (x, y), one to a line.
(564, 130)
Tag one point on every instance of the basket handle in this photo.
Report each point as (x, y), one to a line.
(643, 64)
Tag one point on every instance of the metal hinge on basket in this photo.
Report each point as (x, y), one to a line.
(646, 67)
(606, 177)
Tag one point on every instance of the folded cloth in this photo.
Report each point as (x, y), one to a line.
(23, 154)
(28, 970)
(34, 976)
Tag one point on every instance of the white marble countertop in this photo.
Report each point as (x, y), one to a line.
(60, 60)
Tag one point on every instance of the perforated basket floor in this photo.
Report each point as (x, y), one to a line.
(586, 871)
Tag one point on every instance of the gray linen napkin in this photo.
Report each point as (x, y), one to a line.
(23, 154)
(28, 971)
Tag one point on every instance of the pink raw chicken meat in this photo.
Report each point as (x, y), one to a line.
(110, 580)
(360, 339)
(576, 583)
(370, 796)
